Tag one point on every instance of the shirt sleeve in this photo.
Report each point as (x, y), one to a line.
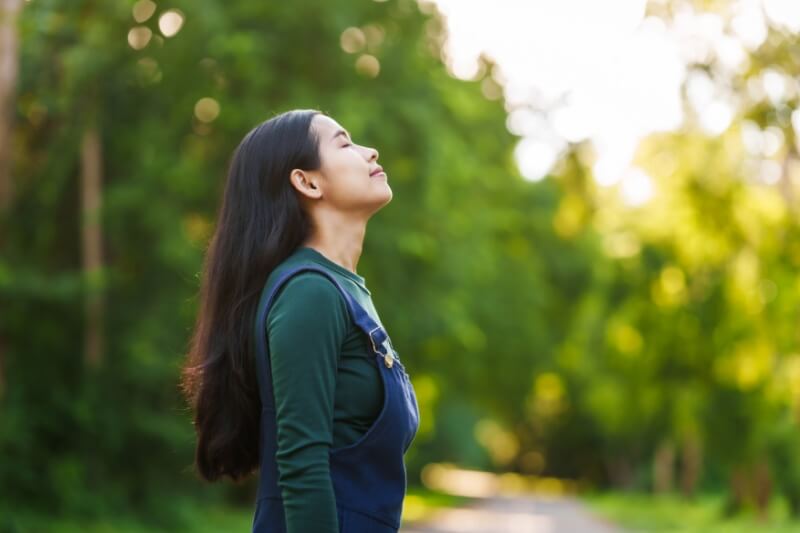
(306, 327)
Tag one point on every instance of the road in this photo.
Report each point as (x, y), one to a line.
(516, 514)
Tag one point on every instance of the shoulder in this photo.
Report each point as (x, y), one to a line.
(311, 284)
(309, 294)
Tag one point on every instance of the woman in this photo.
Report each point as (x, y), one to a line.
(290, 368)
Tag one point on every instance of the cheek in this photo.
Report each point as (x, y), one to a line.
(346, 165)
(345, 176)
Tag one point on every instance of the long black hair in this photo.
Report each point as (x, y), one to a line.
(260, 223)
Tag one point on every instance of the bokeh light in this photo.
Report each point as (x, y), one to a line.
(170, 22)
(139, 36)
(368, 65)
(206, 109)
(143, 10)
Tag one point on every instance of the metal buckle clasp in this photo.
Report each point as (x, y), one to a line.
(373, 340)
(388, 357)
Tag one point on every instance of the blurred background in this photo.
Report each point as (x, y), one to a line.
(589, 266)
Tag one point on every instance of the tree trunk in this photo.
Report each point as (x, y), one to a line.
(785, 184)
(9, 68)
(737, 498)
(751, 487)
(762, 488)
(620, 472)
(691, 464)
(91, 195)
(664, 467)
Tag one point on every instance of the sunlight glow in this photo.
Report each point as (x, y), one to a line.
(535, 157)
(604, 72)
(716, 117)
(784, 13)
(749, 24)
(770, 171)
(637, 187)
(777, 86)
(614, 157)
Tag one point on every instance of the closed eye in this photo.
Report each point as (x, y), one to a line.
(346, 145)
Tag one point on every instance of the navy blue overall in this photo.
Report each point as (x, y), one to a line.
(369, 475)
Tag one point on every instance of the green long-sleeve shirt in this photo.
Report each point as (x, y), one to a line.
(327, 391)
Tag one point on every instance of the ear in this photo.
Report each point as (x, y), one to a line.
(306, 183)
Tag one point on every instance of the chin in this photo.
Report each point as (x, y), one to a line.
(385, 199)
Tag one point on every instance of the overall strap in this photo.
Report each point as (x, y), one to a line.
(376, 333)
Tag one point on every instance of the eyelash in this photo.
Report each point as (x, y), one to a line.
(346, 145)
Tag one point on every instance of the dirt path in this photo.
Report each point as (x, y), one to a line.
(516, 514)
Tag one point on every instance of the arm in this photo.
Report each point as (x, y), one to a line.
(306, 327)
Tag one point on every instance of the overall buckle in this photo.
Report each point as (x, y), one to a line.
(388, 357)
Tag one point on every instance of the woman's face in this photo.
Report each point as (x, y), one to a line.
(345, 180)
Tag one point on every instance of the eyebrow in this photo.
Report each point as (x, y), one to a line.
(340, 132)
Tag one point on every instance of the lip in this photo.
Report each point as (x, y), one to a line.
(377, 172)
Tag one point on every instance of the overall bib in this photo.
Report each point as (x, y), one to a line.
(369, 475)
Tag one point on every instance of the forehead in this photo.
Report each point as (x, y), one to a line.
(326, 126)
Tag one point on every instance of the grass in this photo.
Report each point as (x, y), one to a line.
(196, 518)
(420, 503)
(646, 513)
(637, 513)
(193, 516)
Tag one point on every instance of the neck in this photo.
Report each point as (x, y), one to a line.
(339, 239)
